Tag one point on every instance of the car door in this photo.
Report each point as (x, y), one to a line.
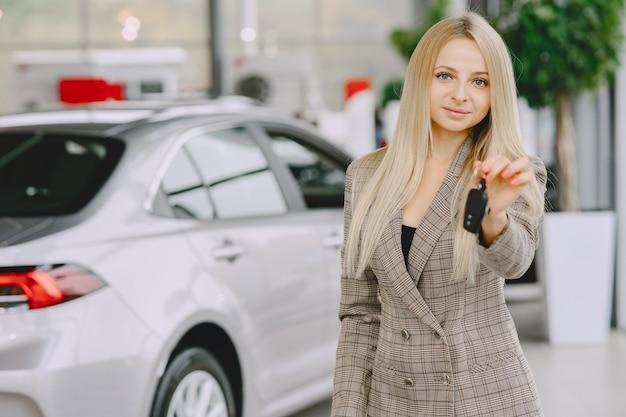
(240, 222)
(318, 174)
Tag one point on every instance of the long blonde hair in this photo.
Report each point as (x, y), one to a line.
(399, 174)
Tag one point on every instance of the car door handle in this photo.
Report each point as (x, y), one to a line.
(228, 251)
(333, 241)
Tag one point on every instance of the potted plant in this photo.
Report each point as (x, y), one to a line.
(562, 48)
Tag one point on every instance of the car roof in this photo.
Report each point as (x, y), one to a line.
(100, 117)
(119, 118)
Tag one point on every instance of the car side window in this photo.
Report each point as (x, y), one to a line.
(185, 190)
(224, 175)
(321, 180)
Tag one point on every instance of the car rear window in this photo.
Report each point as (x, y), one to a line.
(44, 174)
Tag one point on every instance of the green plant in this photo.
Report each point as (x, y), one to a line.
(561, 48)
(391, 91)
(405, 40)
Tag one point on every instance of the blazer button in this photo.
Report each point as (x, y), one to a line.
(405, 334)
(408, 382)
(445, 379)
(436, 334)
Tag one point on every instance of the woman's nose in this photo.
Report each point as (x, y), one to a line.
(459, 92)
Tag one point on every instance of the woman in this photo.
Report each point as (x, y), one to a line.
(425, 330)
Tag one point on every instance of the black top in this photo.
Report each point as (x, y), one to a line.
(407, 238)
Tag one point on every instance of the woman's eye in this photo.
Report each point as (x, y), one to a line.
(481, 82)
(443, 76)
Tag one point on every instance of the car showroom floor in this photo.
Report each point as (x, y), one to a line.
(573, 381)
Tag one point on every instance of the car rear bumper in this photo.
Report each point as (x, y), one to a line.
(88, 357)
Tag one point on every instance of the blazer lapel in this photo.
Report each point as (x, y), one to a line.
(391, 266)
(437, 217)
(391, 271)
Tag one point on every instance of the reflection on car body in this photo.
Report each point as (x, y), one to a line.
(164, 258)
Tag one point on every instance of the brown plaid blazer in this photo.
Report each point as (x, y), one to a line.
(415, 343)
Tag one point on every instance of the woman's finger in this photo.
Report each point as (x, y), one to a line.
(493, 166)
(522, 178)
(515, 167)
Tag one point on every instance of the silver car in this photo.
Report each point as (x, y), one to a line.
(167, 260)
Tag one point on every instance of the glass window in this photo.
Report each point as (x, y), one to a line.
(236, 173)
(248, 195)
(320, 179)
(52, 174)
(184, 189)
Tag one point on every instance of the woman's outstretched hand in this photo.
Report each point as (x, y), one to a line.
(505, 181)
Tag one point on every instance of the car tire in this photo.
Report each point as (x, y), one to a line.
(194, 378)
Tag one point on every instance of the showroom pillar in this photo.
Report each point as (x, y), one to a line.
(457, 7)
(215, 48)
(620, 190)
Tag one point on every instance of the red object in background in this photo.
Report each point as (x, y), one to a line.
(355, 85)
(88, 90)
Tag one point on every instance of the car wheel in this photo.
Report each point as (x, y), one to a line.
(194, 384)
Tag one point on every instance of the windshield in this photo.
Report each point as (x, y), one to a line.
(44, 174)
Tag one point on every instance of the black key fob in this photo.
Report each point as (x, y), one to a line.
(476, 208)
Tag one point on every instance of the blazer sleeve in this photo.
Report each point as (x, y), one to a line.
(359, 312)
(513, 251)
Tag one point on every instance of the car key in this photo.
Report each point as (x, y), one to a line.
(476, 208)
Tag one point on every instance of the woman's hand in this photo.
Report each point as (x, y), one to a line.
(505, 181)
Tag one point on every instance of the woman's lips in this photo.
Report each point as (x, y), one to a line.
(456, 112)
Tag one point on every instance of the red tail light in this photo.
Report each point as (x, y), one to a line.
(44, 286)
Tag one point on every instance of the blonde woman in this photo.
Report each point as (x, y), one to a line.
(425, 330)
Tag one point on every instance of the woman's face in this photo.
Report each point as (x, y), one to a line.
(459, 91)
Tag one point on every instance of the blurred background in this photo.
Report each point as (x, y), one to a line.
(308, 59)
(306, 50)
(339, 65)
